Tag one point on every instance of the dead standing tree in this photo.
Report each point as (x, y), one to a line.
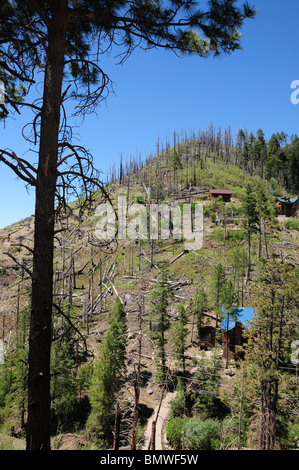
(62, 41)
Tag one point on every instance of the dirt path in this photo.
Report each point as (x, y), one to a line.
(164, 410)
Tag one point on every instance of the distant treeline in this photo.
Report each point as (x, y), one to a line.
(276, 158)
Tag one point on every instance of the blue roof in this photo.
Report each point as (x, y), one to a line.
(245, 314)
(287, 200)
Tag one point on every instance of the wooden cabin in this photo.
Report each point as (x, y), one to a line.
(232, 334)
(226, 194)
(234, 337)
(288, 207)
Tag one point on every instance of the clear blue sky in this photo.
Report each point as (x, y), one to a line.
(157, 93)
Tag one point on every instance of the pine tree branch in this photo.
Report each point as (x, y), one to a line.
(29, 178)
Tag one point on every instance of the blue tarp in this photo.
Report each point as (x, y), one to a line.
(245, 314)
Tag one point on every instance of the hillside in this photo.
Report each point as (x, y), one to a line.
(89, 275)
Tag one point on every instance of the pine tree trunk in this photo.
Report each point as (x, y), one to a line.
(116, 428)
(38, 422)
(265, 238)
(249, 260)
(259, 237)
(262, 444)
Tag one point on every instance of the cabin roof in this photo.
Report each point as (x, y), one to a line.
(245, 314)
(221, 191)
(287, 200)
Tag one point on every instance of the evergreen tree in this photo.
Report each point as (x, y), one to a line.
(13, 387)
(272, 331)
(230, 310)
(260, 151)
(245, 155)
(109, 373)
(206, 385)
(14, 376)
(161, 295)
(248, 154)
(250, 219)
(240, 144)
(218, 283)
(178, 335)
(291, 173)
(273, 167)
(239, 260)
(266, 212)
(199, 306)
(68, 383)
(118, 315)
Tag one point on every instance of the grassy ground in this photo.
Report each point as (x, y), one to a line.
(11, 443)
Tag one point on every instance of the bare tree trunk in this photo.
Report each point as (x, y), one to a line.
(249, 257)
(38, 422)
(262, 444)
(259, 237)
(116, 428)
(152, 442)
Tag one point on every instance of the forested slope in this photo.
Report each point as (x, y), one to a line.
(135, 319)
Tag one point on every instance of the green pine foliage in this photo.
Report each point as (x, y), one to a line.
(178, 335)
(174, 432)
(206, 388)
(199, 306)
(13, 379)
(109, 374)
(161, 296)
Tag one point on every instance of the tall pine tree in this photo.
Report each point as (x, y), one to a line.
(109, 374)
(269, 339)
(250, 220)
(160, 297)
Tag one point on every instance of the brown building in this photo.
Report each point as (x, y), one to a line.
(288, 207)
(226, 194)
(232, 333)
(234, 337)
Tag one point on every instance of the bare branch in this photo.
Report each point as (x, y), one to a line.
(19, 264)
(72, 326)
(20, 167)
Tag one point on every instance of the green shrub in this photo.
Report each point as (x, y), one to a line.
(213, 217)
(202, 435)
(231, 235)
(207, 208)
(236, 235)
(177, 405)
(293, 436)
(217, 234)
(174, 432)
(139, 199)
(292, 224)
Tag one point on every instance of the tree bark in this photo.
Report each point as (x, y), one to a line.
(249, 255)
(38, 423)
(116, 428)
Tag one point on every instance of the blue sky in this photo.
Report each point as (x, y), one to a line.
(156, 93)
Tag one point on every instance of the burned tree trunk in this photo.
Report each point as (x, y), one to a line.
(38, 424)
